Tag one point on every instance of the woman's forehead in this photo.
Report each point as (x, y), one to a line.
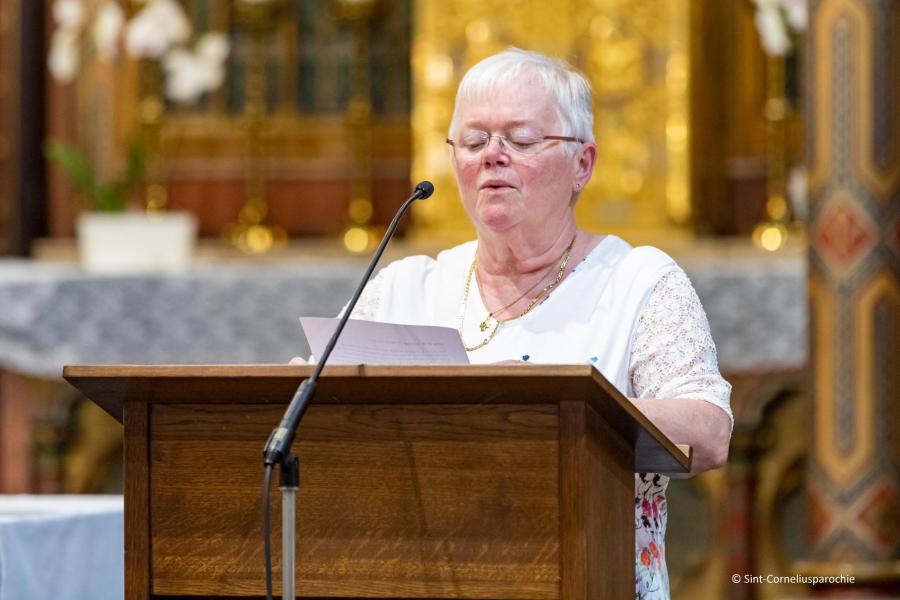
(521, 103)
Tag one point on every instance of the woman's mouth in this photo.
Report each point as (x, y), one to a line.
(495, 185)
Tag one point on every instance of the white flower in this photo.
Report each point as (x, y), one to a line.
(69, 14)
(183, 79)
(106, 29)
(64, 59)
(188, 76)
(775, 19)
(143, 40)
(772, 29)
(159, 26)
(192, 74)
(797, 190)
(796, 11)
(213, 47)
(159, 31)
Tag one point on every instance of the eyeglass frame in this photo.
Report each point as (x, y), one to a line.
(504, 142)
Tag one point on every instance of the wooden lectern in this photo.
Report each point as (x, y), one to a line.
(481, 481)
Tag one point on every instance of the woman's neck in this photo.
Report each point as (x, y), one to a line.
(510, 254)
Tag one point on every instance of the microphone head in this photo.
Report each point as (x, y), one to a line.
(425, 189)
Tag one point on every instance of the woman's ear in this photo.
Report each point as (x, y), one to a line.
(587, 158)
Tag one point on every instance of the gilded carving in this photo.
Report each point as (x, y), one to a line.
(634, 52)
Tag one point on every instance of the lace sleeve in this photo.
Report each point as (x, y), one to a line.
(367, 307)
(673, 354)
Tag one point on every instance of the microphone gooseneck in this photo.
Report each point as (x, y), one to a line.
(279, 444)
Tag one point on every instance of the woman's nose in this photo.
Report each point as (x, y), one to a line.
(494, 153)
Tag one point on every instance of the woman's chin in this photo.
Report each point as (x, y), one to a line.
(497, 220)
(497, 212)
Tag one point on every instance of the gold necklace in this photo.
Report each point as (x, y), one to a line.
(534, 301)
(487, 320)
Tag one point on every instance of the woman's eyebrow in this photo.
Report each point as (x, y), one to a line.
(479, 125)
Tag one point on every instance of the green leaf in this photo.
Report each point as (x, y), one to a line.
(103, 196)
(109, 198)
(135, 166)
(74, 163)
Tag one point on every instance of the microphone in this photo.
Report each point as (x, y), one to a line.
(282, 437)
(426, 188)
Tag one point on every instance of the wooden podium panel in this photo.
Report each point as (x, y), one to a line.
(419, 501)
(416, 482)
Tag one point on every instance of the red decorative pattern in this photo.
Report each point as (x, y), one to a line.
(818, 517)
(880, 516)
(893, 237)
(844, 234)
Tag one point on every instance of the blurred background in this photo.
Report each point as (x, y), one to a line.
(179, 180)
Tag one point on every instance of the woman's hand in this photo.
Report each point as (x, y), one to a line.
(698, 423)
(299, 361)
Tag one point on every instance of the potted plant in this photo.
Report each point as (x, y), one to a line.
(111, 237)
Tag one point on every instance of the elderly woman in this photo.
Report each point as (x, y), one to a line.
(535, 288)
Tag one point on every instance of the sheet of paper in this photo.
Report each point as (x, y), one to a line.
(374, 343)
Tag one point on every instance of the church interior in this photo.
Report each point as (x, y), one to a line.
(180, 180)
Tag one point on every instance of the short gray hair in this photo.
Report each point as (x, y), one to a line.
(570, 88)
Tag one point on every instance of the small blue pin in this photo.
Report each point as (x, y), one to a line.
(525, 357)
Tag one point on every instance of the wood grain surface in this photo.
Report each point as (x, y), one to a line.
(418, 501)
(137, 501)
(596, 506)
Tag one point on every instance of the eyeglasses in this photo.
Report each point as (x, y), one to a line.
(474, 142)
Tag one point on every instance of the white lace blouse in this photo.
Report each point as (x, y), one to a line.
(631, 312)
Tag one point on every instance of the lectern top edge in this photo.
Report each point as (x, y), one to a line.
(112, 386)
(282, 370)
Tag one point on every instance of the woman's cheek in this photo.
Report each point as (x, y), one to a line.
(467, 175)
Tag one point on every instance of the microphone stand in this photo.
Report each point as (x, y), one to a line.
(278, 446)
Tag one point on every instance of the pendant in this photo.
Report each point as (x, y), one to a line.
(486, 323)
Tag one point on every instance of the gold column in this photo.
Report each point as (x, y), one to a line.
(151, 113)
(634, 53)
(359, 235)
(854, 281)
(772, 233)
(251, 234)
(150, 117)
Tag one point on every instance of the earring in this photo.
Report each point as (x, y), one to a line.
(577, 187)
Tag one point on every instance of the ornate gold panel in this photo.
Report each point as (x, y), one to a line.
(634, 52)
(879, 174)
(855, 296)
(847, 466)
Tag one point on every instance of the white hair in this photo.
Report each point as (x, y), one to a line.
(570, 88)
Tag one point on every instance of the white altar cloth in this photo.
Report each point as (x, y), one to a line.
(54, 314)
(61, 548)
